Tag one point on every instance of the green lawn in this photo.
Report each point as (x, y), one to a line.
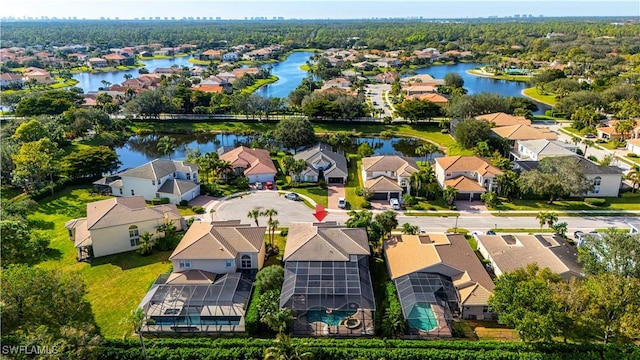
(521, 78)
(627, 201)
(280, 241)
(437, 214)
(354, 181)
(317, 193)
(259, 83)
(432, 204)
(523, 230)
(115, 284)
(549, 99)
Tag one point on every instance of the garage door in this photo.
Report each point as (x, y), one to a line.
(394, 195)
(336, 180)
(260, 178)
(379, 196)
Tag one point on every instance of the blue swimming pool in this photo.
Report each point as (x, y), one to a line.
(422, 317)
(331, 319)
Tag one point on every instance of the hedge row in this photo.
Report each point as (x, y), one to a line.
(251, 318)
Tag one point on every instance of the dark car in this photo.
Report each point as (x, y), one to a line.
(292, 196)
(491, 232)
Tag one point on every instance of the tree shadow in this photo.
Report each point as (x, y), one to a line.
(41, 224)
(132, 259)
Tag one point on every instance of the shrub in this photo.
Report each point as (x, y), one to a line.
(242, 183)
(284, 232)
(633, 155)
(270, 278)
(198, 209)
(393, 324)
(183, 202)
(251, 318)
(366, 205)
(579, 151)
(279, 182)
(159, 201)
(592, 158)
(444, 131)
(595, 201)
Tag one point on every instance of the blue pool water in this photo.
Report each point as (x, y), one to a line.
(197, 320)
(422, 317)
(332, 319)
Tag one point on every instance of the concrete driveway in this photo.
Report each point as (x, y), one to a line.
(289, 211)
(334, 192)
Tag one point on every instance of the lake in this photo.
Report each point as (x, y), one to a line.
(139, 150)
(289, 75)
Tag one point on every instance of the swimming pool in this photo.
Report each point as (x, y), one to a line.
(422, 317)
(196, 320)
(331, 319)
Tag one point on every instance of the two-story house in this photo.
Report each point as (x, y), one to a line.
(114, 225)
(220, 247)
(470, 175)
(540, 149)
(388, 176)
(160, 178)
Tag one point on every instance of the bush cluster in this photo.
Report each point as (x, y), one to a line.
(595, 201)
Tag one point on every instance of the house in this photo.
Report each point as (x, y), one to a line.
(326, 280)
(540, 149)
(119, 60)
(167, 70)
(388, 62)
(386, 77)
(608, 131)
(335, 61)
(323, 164)
(418, 88)
(438, 276)
(255, 164)
(240, 72)
(160, 178)
(337, 82)
(388, 176)
(607, 180)
(114, 225)
(211, 55)
(11, 79)
(470, 175)
(97, 63)
(437, 99)
(633, 145)
(230, 56)
(220, 247)
(40, 76)
(507, 253)
(523, 132)
(423, 79)
(503, 119)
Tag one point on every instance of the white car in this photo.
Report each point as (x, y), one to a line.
(342, 203)
(395, 204)
(258, 186)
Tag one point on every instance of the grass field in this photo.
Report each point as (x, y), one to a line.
(259, 83)
(354, 202)
(627, 201)
(545, 99)
(115, 284)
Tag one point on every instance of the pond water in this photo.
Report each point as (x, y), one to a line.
(142, 149)
(289, 75)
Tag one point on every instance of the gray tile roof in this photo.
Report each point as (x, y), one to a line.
(322, 155)
(324, 242)
(177, 186)
(159, 168)
(219, 240)
(125, 210)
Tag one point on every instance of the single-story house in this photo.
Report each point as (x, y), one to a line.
(255, 164)
(388, 175)
(523, 132)
(509, 252)
(323, 164)
(114, 225)
(438, 276)
(470, 175)
(503, 119)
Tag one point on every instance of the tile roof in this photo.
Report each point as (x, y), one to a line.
(191, 277)
(177, 186)
(322, 155)
(126, 210)
(510, 252)
(254, 161)
(382, 184)
(159, 168)
(464, 184)
(504, 119)
(468, 163)
(404, 166)
(324, 242)
(218, 240)
(523, 132)
(431, 97)
(544, 147)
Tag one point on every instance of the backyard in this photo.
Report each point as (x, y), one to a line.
(626, 201)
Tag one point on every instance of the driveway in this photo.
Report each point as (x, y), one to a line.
(289, 211)
(334, 192)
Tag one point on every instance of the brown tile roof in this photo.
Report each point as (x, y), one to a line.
(523, 132)
(504, 119)
(243, 71)
(254, 161)
(400, 164)
(218, 240)
(431, 97)
(210, 88)
(114, 57)
(464, 184)
(468, 163)
(382, 184)
(324, 242)
(191, 277)
(448, 254)
(126, 210)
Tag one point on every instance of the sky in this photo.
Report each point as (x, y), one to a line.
(313, 9)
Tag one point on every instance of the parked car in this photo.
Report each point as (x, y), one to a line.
(292, 196)
(269, 185)
(342, 203)
(477, 233)
(258, 185)
(491, 232)
(395, 204)
(590, 136)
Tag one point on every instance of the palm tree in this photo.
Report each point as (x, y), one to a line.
(136, 320)
(449, 194)
(426, 150)
(255, 215)
(146, 243)
(285, 350)
(273, 225)
(167, 145)
(416, 181)
(587, 144)
(624, 126)
(634, 176)
(429, 180)
(409, 229)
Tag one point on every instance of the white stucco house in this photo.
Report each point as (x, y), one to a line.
(388, 176)
(541, 148)
(633, 145)
(255, 164)
(220, 247)
(160, 178)
(114, 225)
(470, 175)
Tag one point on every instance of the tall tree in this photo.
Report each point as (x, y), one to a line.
(611, 251)
(167, 145)
(255, 215)
(469, 132)
(293, 133)
(35, 162)
(633, 175)
(556, 177)
(90, 162)
(387, 221)
(19, 243)
(136, 320)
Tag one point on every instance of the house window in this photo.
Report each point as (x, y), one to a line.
(153, 182)
(70, 233)
(403, 182)
(188, 176)
(485, 309)
(229, 263)
(174, 175)
(195, 176)
(246, 262)
(596, 184)
(120, 191)
(132, 192)
(134, 236)
(184, 264)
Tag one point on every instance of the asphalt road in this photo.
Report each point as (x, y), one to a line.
(375, 92)
(295, 211)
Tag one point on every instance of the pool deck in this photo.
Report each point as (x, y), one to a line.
(364, 328)
(440, 331)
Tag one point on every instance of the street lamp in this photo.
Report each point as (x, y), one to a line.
(455, 228)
